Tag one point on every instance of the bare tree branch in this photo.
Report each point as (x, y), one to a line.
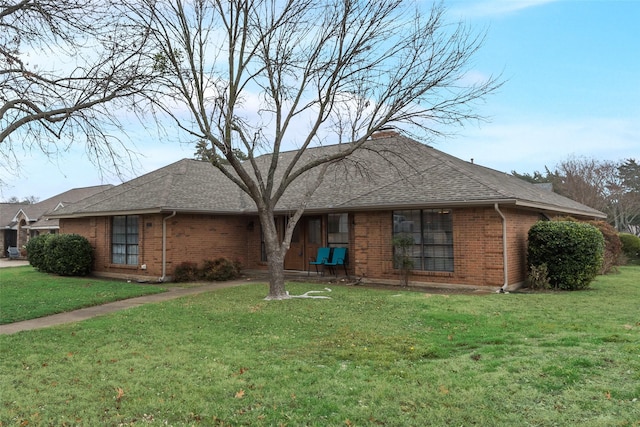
(67, 68)
(261, 76)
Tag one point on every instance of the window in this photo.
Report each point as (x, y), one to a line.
(124, 240)
(338, 230)
(432, 233)
(314, 231)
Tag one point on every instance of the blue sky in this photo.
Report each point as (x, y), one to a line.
(572, 71)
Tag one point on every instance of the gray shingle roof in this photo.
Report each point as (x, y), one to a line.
(8, 212)
(37, 211)
(391, 172)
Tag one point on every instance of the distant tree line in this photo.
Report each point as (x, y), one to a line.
(611, 187)
(29, 200)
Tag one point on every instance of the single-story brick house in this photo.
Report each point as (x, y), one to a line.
(21, 221)
(469, 222)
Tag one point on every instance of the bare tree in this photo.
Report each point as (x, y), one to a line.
(252, 76)
(66, 68)
(585, 180)
(611, 187)
(29, 200)
(627, 203)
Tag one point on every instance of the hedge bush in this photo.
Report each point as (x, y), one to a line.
(220, 269)
(36, 252)
(630, 246)
(612, 244)
(62, 254)
(572, 251)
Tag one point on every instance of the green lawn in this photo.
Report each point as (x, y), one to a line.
(365, 357)
(27, 294)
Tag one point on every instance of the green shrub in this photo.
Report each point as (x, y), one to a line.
(572, 251)
(630, 246)
(612, 244)
(186, 272)
(63, 254)
(68, 255)
(36, 251)
(220, 269)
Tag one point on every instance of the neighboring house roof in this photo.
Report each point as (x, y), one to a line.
(35, 213)
(8, 213)
(391, 172)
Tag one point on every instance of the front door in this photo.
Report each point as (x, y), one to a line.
(306, 239)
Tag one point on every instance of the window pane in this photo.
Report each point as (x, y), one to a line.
(119, 223)
(338, 229)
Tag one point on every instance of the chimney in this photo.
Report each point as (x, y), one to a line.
(385, 132)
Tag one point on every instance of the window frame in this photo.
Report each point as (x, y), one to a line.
(122, 236)
(433, 248)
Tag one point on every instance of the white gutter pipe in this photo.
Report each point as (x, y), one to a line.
(164, 246)
(505, 257)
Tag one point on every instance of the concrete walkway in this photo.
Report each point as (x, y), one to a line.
(89, 312)
(6, 262)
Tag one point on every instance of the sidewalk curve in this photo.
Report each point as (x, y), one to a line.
(99, 310)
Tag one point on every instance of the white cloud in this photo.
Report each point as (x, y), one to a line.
(486, 8)
(530, 146)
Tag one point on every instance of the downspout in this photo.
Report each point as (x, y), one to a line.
(164, 247)
(505, 257)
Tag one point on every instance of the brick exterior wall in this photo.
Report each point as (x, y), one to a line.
(477, 241)
(193, 238)
(478, 247)
(518, 224)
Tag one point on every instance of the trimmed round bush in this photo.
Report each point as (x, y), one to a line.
(36, 251)
(69, 255)
(630, 246)
(612, 243)
(572, 251)
(63, 254)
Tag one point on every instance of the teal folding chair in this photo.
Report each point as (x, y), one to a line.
(338, 258)
(321, 258)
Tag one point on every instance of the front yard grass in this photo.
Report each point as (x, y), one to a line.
(27, 294)
(365, 357)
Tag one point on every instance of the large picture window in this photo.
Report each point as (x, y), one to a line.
(432, 233)
(124, 240)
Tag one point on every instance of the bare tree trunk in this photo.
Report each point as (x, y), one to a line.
(275, 256)
(277, 289)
